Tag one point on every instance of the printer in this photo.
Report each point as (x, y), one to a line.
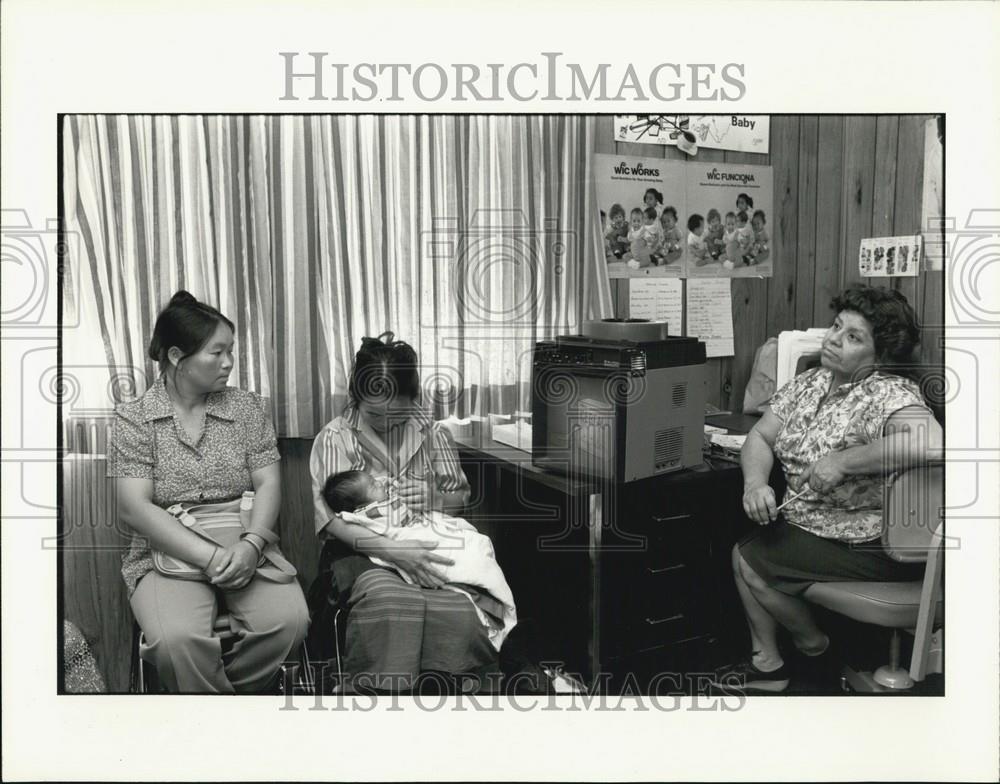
(621, 402)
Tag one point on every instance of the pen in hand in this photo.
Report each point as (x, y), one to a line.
(787, 501)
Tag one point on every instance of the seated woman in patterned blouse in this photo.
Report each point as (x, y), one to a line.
(837, 430)
(191, 438)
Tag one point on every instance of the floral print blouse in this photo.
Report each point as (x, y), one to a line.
(148, 442)
(853, 415)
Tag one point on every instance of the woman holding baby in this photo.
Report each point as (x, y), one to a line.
(395, 630)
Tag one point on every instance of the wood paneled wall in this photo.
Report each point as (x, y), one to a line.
(837, 179)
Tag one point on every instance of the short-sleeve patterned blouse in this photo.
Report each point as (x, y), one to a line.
(427, 452)
(148, 442)
(855, 414)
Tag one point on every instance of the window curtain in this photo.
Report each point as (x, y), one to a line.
(470, 237)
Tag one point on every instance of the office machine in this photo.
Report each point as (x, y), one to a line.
(618, 409)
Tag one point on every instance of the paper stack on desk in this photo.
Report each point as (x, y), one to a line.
(516, 434)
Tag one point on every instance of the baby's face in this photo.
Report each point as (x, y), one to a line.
(374, 490)
(741, 205)
(757, 224)
(699, 229)
(730, 224)
(668, 221)
(618, 220)
(636, 221)
(649, 200)
(714, 224)
(742, 223)
(650, 221)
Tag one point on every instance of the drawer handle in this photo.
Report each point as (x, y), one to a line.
(657, 622)
(671, 518)
(664, 569)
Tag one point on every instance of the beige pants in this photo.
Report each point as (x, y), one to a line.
(177, 619)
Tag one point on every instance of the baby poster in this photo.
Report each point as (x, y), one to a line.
(737, 132)
(642, 209)
(727, 231)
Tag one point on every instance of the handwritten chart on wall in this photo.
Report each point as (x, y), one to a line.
(710, 314)
(657, 299)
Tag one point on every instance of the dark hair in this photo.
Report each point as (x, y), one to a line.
(656, 194)
(760, 214)
(616, 209)
(650, 213)
(185, 323)
(383, 368)
(694, 221)
(742, 216)
(671, 210)
(893, 322)
(746, 198)
(635, 210)
(344, 492)
(713, 213)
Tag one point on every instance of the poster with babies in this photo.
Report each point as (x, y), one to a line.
(642, 207)
(727, 231)
(890, 257)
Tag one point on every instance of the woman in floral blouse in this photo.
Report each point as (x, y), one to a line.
(836, 430)
(191, 438)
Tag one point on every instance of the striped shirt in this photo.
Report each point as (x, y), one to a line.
(349, 444)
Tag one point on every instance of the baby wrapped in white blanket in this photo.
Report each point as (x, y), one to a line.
(475, 573)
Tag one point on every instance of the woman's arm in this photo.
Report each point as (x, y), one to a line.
(911, 436)
(756, 460)
(415, 558)
(164, 532)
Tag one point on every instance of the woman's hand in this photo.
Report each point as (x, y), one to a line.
(826, 473)
(417, 559)
(415, 494)
(235, 566)
(759, 504)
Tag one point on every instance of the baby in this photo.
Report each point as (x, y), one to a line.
(744, 233)
(360, 499)
(653, 198)
(652, 234)
(713, 235)
(616, 233)
(635, 219)
(697, 246)
(744, 203)
(761, 242)
(671, 236)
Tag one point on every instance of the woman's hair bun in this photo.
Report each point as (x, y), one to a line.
(183, 297)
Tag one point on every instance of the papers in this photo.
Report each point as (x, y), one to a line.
(517, 435)
(657, 299)
(732, 443)
(792, 345)
(710, 314)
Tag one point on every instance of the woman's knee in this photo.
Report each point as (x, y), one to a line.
(379, 587)
(748, 575)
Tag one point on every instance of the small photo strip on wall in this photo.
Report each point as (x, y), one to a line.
(890, 257)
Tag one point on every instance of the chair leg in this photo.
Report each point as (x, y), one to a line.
(925, 619)
(336, 644)
(892, 676)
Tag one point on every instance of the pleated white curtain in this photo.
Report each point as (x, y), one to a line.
(470, 237)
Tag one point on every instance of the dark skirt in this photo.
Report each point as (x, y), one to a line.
(790, 559)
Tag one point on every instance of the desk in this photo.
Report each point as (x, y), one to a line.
(622, 581)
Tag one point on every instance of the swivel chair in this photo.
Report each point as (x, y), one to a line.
(913, 519)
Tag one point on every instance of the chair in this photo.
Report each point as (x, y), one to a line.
(297, 676)
(913, 519)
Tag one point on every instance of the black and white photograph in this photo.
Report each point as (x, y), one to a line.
(342, 412)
